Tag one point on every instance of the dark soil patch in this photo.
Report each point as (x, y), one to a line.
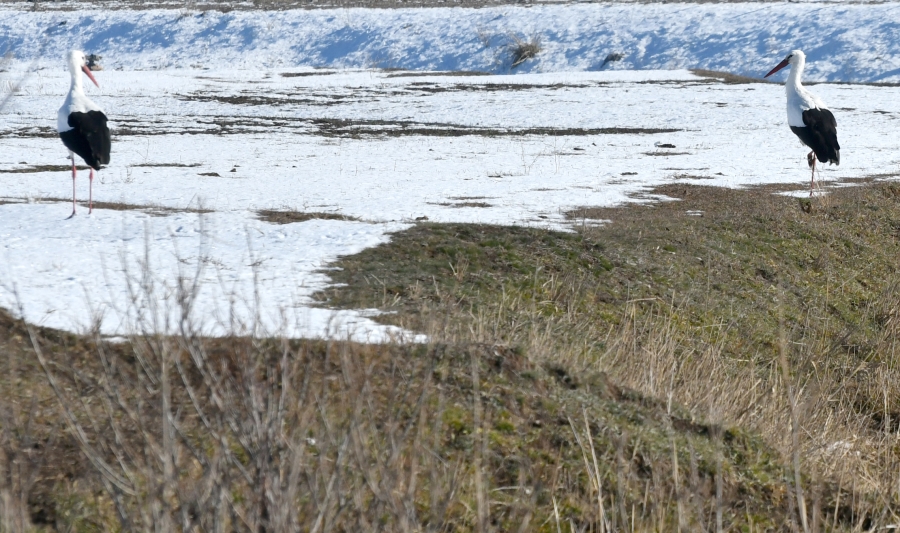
(253, 99)
(337, 127)
(692, 177)
(289, 217)
(470, 198)
(454, 73)
(665, 154)
(727, 77)
(328, 127)
(43, 168)
(168, 165)
(427, 87)
(306, 74)
(41, 132)
(464, 204)
(153, 210)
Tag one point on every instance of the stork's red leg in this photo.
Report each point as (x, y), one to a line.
(91, 193)
(73, 186)
(812, 179)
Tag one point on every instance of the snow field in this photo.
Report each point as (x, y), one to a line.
(844, 41)
(381, 149)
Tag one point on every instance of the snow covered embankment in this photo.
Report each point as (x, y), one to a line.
(857, 43)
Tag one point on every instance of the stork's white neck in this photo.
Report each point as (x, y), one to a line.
(793, 80)
(798, 98)
(76, 85)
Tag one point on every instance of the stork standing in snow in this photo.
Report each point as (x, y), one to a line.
(808, 117)
(82, 125)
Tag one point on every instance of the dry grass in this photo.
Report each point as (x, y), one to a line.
(730, 372)
(727, 77)
(165, 433)
(765, 313)
(289, 217)
(522, 49)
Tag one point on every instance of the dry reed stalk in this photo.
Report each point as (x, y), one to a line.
(795, 439)
(677, 486)
(481, 502)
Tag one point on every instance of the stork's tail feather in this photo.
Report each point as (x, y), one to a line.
(833, 157)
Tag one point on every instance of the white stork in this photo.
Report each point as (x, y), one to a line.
(82, 125)
(808, 117)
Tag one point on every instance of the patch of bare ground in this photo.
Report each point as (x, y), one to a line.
(41, 168)
(167, 165)
(692, 177)
(463, 204)
(31, 131)
(311, 99)
(662, 153)
(454, 73)
(289, 217)
(336, 127)
(726, 77)
(768, 313)
(306, 74)
(328, 127)
(428, 87)
(874, 177)
(153, 210)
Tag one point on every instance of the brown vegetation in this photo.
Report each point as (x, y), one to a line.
(724, 362)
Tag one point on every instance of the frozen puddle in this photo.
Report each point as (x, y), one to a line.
(133, 272)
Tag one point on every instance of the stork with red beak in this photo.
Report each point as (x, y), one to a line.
(808, 117)
(82, 125)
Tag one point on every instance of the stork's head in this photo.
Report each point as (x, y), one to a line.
(794, 58)
(78, 62)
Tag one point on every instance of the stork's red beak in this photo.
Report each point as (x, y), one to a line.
(778, 67)
(89, 75)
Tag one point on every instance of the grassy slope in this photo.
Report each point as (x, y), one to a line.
(747, 251)
(660, 328)
(761, 298)
(529, 414)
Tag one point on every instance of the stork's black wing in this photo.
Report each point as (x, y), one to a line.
(820, 134)
(89, 137)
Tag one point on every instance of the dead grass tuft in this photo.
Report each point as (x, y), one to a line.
(522, 49)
